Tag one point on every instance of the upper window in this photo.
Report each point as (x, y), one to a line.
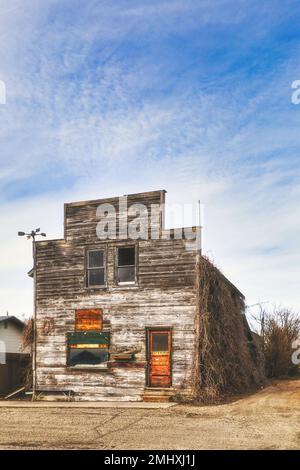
(126, 272)
(95, 268)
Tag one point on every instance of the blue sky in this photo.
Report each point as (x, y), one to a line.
(112, 97)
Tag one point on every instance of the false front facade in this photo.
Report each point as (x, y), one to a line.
(117, 303)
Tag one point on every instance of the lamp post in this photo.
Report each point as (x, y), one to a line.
(32, 236)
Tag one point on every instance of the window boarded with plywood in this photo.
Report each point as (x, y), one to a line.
(87, 348)
(88, 320)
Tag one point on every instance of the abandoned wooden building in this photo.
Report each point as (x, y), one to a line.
(117, 318)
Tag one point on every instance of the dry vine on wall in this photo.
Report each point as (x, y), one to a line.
(27, 346)
(230, 361)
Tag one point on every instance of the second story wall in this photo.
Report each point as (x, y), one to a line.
(160, 264)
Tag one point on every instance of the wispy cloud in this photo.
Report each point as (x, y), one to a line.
(107, 98)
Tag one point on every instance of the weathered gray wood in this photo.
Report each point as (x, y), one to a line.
(164, 296)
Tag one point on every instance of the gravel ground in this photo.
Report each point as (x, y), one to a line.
(268, 419)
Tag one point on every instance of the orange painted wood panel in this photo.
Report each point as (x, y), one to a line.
(88, 320)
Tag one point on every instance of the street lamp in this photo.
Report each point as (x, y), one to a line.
(32, 236)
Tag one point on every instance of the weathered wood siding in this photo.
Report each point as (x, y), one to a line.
(81, 217)
(164, 296)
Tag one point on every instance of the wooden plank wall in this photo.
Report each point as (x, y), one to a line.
(81, 219)
(165, 296)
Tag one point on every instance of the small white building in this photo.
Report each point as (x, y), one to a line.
(12, 357)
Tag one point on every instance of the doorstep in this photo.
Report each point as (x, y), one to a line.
(158, 394)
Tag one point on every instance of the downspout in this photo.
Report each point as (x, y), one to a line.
(196, 362)
(197, 372)
(34, 380)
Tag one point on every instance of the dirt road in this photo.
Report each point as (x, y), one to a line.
(268, 419)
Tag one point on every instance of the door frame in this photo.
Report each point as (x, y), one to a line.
(158, 328)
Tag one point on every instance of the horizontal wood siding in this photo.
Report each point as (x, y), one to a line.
(164, 296)
(81, 219)
(11, 338)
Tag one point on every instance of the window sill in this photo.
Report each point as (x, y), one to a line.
(127, 285)
(103, 367)
(96, 287)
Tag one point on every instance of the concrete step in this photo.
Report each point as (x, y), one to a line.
(156, 398)
(160, 391)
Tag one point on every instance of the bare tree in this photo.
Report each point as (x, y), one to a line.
(278, 330)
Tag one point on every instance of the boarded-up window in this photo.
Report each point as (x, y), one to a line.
(88, 320)
(87, 356)
(87, 348)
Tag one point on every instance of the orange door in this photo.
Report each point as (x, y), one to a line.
(160, 358)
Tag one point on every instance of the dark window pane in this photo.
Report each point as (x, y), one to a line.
(126, 256)
(96, 259)
(126, 274)
(96, 277)
(87, 356)
(160, 342)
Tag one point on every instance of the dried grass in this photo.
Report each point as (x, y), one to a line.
(27, 345)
